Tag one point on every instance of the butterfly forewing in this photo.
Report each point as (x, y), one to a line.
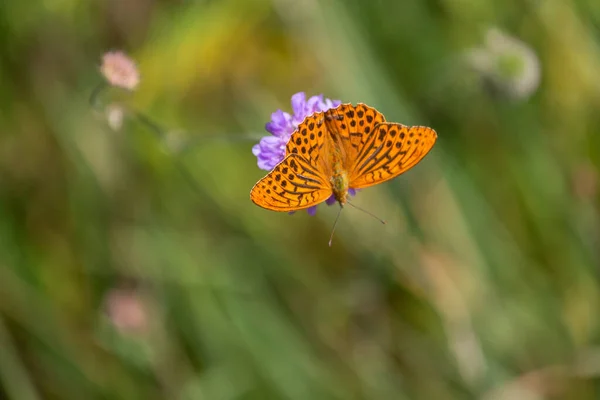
(354, 125)
(293, 184)
(389, 151)
(308, 139)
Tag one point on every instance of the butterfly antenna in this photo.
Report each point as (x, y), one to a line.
(366, 212)
(334, 225)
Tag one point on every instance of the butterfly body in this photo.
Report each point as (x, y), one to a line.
(339, 185)
(337, 169)
(341, 148)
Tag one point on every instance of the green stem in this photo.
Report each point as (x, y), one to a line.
(95, 95)
(160, 133)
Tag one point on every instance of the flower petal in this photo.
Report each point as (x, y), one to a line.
(314, 104)
(280, 124)
(267, 164)
(256, 149)
(298, 103)
(312, 210)
(269, 151)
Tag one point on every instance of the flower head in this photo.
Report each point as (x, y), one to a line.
(506, 63)
(270, 151)
(126, 310)
(119, 70)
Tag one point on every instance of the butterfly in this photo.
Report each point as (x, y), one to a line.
(341, 148)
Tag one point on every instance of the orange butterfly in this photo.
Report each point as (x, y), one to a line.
(343, 147)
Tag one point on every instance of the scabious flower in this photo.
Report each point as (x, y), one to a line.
(271, 149)
(507, 64)
(119, 70)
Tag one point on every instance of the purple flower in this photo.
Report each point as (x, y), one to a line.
(271, 149)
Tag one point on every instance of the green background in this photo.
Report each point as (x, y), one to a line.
(135, 268)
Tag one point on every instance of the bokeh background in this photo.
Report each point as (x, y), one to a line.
(134, 265)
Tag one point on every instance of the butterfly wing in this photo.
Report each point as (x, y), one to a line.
(308, 139)
(354, 125)
(293, 184)
(389, 151)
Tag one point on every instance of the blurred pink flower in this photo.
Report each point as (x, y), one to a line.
(126, 310)
(120, 70)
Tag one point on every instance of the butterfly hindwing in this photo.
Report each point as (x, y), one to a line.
(293, 184)
(389, 151)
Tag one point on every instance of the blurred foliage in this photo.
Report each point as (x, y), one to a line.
(134, 265)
